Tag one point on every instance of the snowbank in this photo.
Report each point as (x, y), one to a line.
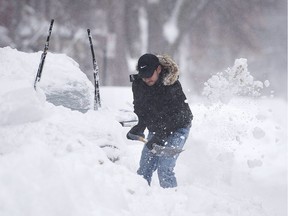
(56, 161)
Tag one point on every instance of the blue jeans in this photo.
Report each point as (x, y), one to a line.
(164, 165)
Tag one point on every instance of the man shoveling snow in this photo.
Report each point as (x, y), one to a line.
(162, 108)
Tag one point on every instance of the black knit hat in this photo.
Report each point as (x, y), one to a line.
(147, 64)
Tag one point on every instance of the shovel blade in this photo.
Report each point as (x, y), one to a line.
(165, 150)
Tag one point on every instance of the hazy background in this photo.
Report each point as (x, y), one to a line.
(204, 36)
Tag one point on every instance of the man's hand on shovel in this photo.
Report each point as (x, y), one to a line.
(155, 148)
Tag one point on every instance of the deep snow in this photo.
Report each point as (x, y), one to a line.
(55, 161)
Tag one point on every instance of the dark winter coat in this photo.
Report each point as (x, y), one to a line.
(163, 107)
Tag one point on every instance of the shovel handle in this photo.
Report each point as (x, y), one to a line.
(157, 150)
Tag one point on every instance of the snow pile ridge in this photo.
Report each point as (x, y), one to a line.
(21, 105)
(235, 81)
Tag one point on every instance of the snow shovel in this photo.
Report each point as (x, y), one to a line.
(157, 149)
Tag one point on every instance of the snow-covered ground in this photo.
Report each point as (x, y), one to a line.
(55, 161)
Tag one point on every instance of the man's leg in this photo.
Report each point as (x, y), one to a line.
(166, 165)
(148, 163)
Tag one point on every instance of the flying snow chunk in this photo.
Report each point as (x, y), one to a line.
(254, 163)
(267, 83)
(258, 133)
(235, 81)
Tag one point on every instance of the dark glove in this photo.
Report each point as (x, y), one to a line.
(154, 140)
(136, 130)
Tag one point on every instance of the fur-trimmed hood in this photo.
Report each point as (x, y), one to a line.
(169, 68)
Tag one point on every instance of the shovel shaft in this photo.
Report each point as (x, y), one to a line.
(157, 149)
